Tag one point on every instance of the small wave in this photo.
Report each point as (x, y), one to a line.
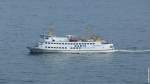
(133, 51)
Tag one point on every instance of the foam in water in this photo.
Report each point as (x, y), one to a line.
(134, 51)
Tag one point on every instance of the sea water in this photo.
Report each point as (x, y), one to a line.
(125, 23)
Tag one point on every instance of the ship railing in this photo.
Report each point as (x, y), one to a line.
(44, 36)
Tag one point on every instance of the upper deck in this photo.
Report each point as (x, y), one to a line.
(72, 39)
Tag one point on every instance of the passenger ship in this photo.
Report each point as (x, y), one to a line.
(71, 44)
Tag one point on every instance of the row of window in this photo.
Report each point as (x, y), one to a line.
(62, 47)
(56, 47)
(71, 43)
(75, 48)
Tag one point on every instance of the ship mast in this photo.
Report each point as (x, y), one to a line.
(50, 31)
(92, 35)
(88, 30)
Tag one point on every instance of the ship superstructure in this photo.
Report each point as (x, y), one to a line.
(71, 44)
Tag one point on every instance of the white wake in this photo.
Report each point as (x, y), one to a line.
(133, 51)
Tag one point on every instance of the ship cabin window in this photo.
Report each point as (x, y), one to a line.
(48, 47)
(45, 46)
(63, 43)
(45, 42)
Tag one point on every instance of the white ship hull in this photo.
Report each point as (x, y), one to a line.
(38, 50)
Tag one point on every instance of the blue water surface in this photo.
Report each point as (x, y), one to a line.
(126, 23)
